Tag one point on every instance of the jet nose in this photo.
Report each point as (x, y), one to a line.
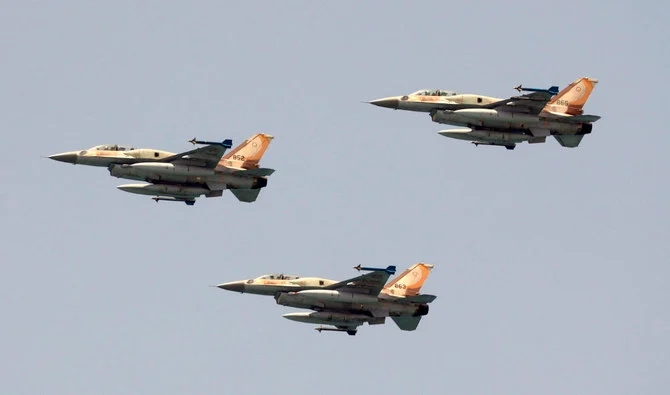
(389, 102)
(67, 157)
(235, 286)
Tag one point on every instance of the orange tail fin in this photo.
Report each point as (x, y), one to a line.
(409, 283)
(571, 100)
(248, 154)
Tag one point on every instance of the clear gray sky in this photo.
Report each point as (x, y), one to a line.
(551, 264)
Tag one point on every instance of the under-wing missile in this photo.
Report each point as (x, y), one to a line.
(552, 90)
(350, 332)
(389, 269)
(227, 143)
(508, 146)
(189, 202)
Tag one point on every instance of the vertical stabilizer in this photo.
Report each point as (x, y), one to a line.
(571, 100)
(409, 283)
(248, 154)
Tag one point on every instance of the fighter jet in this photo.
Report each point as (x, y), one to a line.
(531, 117)
(345, 305)
(427, 100)
(185, 176)
(505, 122)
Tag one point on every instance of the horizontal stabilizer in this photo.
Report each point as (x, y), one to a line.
(420, 298)
(246, 195)
(570, 118)
(259, 172)
(407, 323)
(585, 118)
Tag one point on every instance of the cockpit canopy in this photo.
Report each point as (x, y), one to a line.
(113, 147)
(277, 277)
(433, 92)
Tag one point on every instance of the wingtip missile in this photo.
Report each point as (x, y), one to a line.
(389, 269)
(227, 143)
(552, 90)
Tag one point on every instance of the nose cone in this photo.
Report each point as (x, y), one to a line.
(388, 102)
(67, 157)
(235, 286)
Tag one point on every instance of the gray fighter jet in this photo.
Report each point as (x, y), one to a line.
(346, 305)
(183, 177)
(505, 122)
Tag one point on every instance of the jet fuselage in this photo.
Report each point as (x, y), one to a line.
(273, 284)
(425, 101)
(347, 302)
(504, 120)
(188, 177)
(105, 155)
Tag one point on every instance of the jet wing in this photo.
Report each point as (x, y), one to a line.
(368, 283)
(531, 103)
(207, 157)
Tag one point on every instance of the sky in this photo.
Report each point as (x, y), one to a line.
(551, 264)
